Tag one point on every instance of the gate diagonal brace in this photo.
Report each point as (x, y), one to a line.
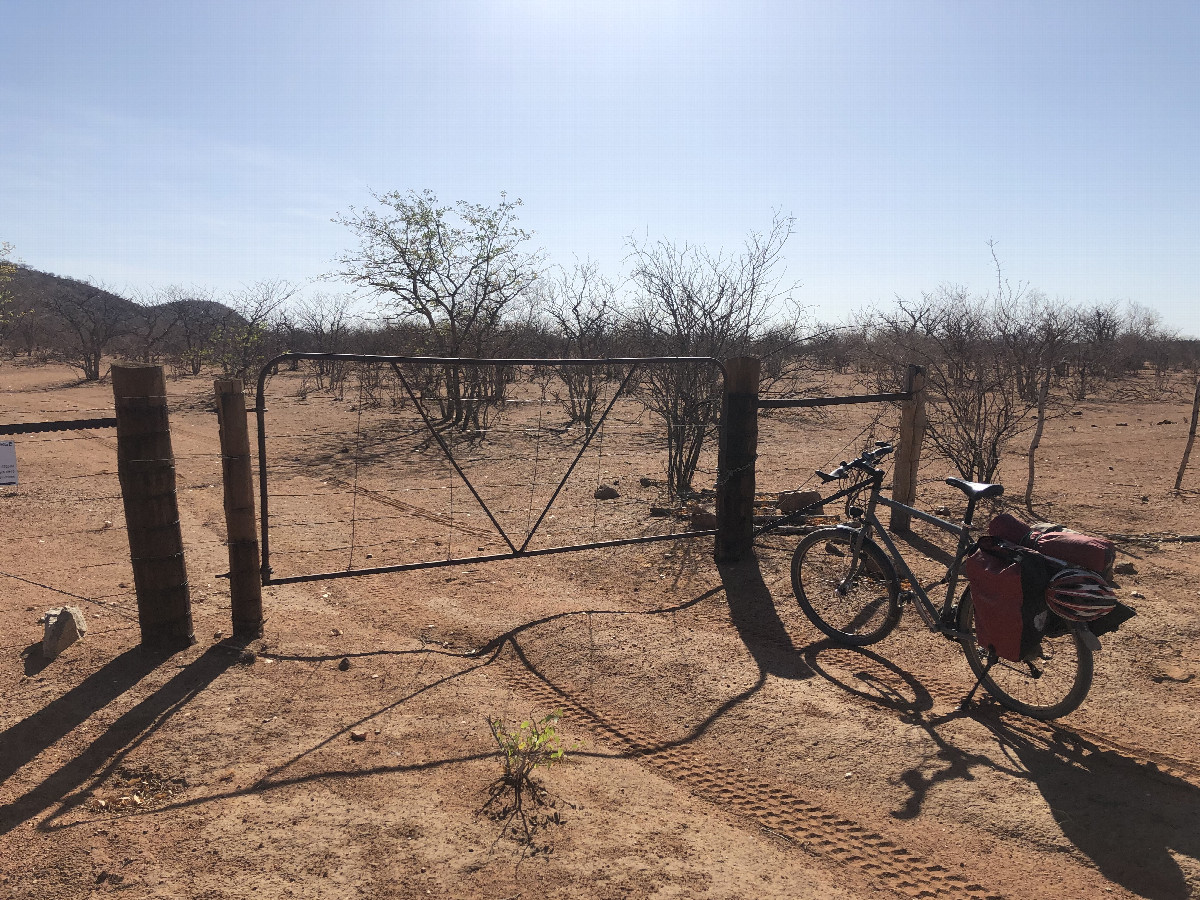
(578, 456)
(450, 455)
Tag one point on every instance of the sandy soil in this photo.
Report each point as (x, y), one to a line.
(718, 748)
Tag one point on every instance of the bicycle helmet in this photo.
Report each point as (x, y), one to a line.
(1078, 595)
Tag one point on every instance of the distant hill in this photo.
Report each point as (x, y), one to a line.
(38, 291)
(80, 323)
(41, 292)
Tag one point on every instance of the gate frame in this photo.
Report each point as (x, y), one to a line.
(736, 545)
(908, 447)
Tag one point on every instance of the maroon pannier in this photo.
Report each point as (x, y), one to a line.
(1083, 550)
(1008, 528)
(997, 595)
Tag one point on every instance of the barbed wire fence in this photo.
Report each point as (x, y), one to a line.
(66, 528)
(66, 490)
(372, 471)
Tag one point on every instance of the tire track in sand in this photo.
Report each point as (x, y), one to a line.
(823, 833)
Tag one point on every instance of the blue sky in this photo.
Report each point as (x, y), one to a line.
(211, 144)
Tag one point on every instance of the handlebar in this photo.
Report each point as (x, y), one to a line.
(865, 463)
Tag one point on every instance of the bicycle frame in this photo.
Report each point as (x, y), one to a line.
(942, 621)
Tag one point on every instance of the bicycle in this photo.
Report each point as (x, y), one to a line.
(855, 593)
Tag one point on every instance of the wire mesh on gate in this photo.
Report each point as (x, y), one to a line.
(386, 463)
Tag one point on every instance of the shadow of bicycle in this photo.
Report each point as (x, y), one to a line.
(1131, 819)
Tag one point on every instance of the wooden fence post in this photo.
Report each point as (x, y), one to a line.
(738, 449)
(245, 580)
(908, 449)
(146, 469)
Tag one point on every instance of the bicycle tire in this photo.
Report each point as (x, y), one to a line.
(1066, 659)
(854, 601)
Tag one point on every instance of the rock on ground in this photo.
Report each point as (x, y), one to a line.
(64, 625)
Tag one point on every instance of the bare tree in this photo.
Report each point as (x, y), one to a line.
(90, 319)
(1093, 352)
(31, 332)
(974, 404)
(1037, 334)
(1144, 339)
(10, 311)
(694, 302)
(154, 321)
(456, 269)
(582, 303)
(241, 341)
(197, 317)
(322, 322)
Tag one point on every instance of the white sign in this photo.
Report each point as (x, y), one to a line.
(8, 462)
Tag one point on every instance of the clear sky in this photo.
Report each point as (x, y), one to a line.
(153, 143)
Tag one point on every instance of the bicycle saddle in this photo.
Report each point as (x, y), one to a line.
(975, 490)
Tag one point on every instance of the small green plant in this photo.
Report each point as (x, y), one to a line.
(522, 750)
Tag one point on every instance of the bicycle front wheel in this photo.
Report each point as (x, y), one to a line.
(850, 594)
(1051, 684)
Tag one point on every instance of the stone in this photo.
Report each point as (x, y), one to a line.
(793, 501)
(606, 492)
(661, 511)
(63, 626)
(344, 664)
(647, 481)
(358, 735)
(703, 520)
(1125, 568)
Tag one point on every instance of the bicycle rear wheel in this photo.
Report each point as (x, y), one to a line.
(852, 596)
(1050, 685)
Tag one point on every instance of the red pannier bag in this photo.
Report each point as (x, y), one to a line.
(997, 595)
(1008, 528)
(1083, 550)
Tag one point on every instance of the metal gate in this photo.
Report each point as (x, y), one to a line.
(624, 375)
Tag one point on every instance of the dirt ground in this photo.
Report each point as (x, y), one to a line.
(716, 747)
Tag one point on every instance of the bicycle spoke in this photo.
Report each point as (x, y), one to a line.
(846, 591)
(1048, 686)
